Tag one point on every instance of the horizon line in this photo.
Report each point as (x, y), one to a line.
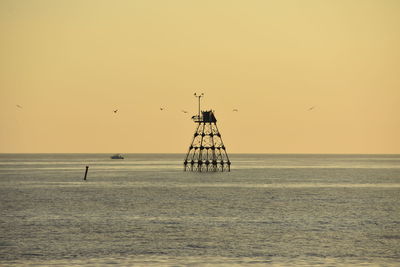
(234, 153)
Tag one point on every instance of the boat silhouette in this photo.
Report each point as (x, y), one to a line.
(117, 156)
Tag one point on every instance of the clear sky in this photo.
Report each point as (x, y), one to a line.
(68, 64)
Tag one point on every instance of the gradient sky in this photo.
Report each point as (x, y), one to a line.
(70, 63)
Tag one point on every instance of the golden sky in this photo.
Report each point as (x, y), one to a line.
(69, 63)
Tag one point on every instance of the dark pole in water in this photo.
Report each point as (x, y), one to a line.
(87, 168)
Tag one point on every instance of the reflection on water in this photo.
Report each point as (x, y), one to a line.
(278, 210)
(208, 261)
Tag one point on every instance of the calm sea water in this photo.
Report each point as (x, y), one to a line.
(275, 210)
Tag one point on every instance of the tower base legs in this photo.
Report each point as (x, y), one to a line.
(195, 167)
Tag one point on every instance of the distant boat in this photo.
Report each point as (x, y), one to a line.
(117, 156)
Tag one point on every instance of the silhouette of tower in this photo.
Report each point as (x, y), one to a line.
(207, 151)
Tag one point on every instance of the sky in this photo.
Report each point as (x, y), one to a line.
(68, 64)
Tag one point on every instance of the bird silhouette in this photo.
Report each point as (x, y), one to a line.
(161, 109)
(115, 111)
(184, 111)
(235, 110)
(311, 108)
(18, 106)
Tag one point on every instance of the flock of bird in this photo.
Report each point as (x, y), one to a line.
(184, 111)
(234, 110)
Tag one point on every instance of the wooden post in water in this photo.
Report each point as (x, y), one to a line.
(87, 168)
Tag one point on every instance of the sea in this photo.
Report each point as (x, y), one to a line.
(144, 210)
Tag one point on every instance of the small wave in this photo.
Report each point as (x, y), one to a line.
(391, 236)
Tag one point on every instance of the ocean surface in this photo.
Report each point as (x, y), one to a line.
(270, 210)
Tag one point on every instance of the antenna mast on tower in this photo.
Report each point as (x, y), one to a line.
(199, 96)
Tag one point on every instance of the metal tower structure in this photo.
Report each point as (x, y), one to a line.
(207, 151)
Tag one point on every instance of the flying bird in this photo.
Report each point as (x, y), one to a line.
(161, 108)
(18, 106)
(235, 110)
(311, 108)
(115, 111)
(184, 111)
